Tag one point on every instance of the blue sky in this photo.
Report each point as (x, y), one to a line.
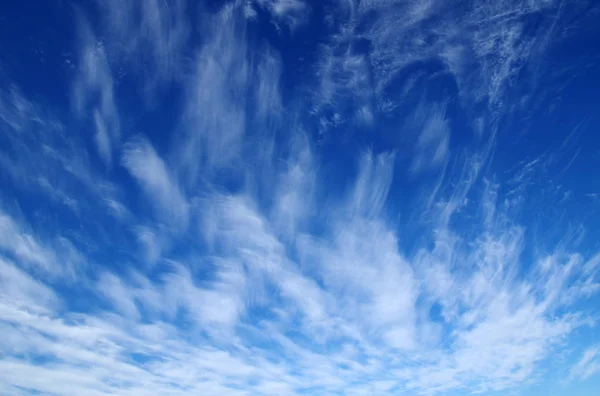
(280, 197)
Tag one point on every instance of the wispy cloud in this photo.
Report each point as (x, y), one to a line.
(217, 96)
(433, 140)
(290, 12)
(93, 93)
(483, 47)
(497, 325)
(215, 309)
(56, 257)
(24, 246)
(361, 265)
(161, 187)
(233, 91)
(148, 37)
(23, 291)
(588, 365)
(295, 188)
(344, 82)
(236, 251)
(25, 124)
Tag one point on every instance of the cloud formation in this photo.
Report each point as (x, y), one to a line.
(93, 93)
(588, 365)
(351, 210)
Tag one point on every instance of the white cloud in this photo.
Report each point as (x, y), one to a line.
(373, 184)
(93, 93)
(117, 209)
(18, 113)
(588, 365)
(24, 246)
(21, 290)
(343, 292)
(344, 83)
(267, 79)
(216, 101)
(148, 36)
(152, 242)
(26, 124)
(215, 309)
(113, 289)
(102, 137)
(56, 257)
(232, 92)
(295, 189)
(248, 243)
(273, 281)
(361, 264)
(432, 146)
(291, 12)
(157, 182)
(41, 159)
(482, 46)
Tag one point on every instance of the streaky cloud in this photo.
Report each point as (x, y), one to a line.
(280, 197)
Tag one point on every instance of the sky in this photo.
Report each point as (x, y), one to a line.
(290, 197)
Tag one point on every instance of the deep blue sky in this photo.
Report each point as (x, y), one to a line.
(280, 197)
